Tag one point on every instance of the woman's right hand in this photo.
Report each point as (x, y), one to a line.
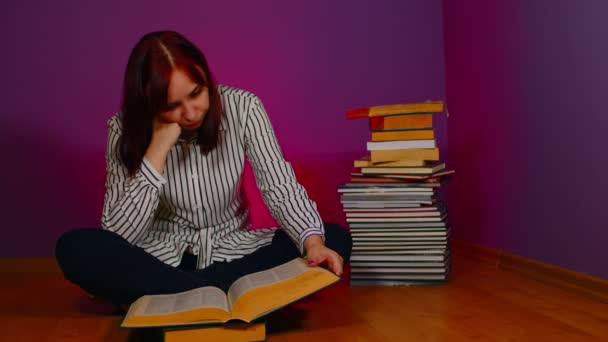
(164, 136)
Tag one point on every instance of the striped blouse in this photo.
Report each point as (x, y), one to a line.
(198, 204)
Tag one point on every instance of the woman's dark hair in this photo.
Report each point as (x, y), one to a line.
(147, 77)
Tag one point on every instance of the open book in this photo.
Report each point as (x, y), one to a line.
(249, 298)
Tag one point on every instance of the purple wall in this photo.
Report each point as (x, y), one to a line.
(523, 82)
(308, 61)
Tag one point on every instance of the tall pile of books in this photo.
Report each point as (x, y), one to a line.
(396, 218)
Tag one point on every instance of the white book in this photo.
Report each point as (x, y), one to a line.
(387, 234)
(395, 230)
(398, 238)
(389, 194)
(403, 248)
(398, 276)
(380, 203)
(378, 282)
(399, 225)
(361, 250)
(358, 270)
(398, 244)
(395, 214)
(400, 144)
(393, 210)
(393, 219)
(402, 257)
(397, 264)
(385, 190)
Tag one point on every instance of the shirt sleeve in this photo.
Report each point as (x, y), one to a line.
(286, 199)
(129, 202)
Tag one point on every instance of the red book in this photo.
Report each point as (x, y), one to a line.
(357, 113)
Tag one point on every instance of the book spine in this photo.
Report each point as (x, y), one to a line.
(357, 113)
(401, 122)
(389, 170)
(400, 144)
(403, 135)
(424, 107)
(408, 153)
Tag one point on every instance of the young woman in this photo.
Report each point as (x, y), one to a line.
(174, 215)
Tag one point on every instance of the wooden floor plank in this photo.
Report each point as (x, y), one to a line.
(480, 302)
(529, 297)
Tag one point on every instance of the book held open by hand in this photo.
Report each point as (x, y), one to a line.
(249, 298)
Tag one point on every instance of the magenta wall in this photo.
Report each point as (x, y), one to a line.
(527, 129)
(309, 61)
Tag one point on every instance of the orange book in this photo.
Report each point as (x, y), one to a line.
(236, 332)
(396, 122)
(403, 135)
(378, 156)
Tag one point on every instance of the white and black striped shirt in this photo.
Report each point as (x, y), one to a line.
(198, 204)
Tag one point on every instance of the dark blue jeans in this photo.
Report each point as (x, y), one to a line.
(107, 266)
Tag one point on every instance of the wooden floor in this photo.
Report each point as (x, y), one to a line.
(479, 303)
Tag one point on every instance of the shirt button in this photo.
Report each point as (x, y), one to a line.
(194, 176)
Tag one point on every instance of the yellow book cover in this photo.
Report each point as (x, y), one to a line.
(403, 108)
(249, 298)
(228, 333)
(378, 156)
(403, 135)
(407, 108)
(429, 168)
(367, 162)
(401, 122)
(363, 161)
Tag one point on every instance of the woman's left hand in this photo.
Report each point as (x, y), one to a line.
(319, 254)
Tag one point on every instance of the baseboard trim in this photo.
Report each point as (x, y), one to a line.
(42, 265)
(581, 283)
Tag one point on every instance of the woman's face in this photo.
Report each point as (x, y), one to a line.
(187, 101)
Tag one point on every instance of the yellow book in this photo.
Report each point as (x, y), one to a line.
(403, 135)
(367, 162)
(378, 156)
(428, 168)
(249, 298)
(228, 333)
(401, 122)
(363, 161)
(406, 108)
(402, 163)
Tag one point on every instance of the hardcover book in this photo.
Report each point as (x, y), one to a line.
(248, 299)
(394, 109)
(227, 332)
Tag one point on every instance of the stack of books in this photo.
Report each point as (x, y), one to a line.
(397, 221)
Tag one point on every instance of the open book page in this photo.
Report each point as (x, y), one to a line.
(293, 281)
(258, 279)
(183, 301)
